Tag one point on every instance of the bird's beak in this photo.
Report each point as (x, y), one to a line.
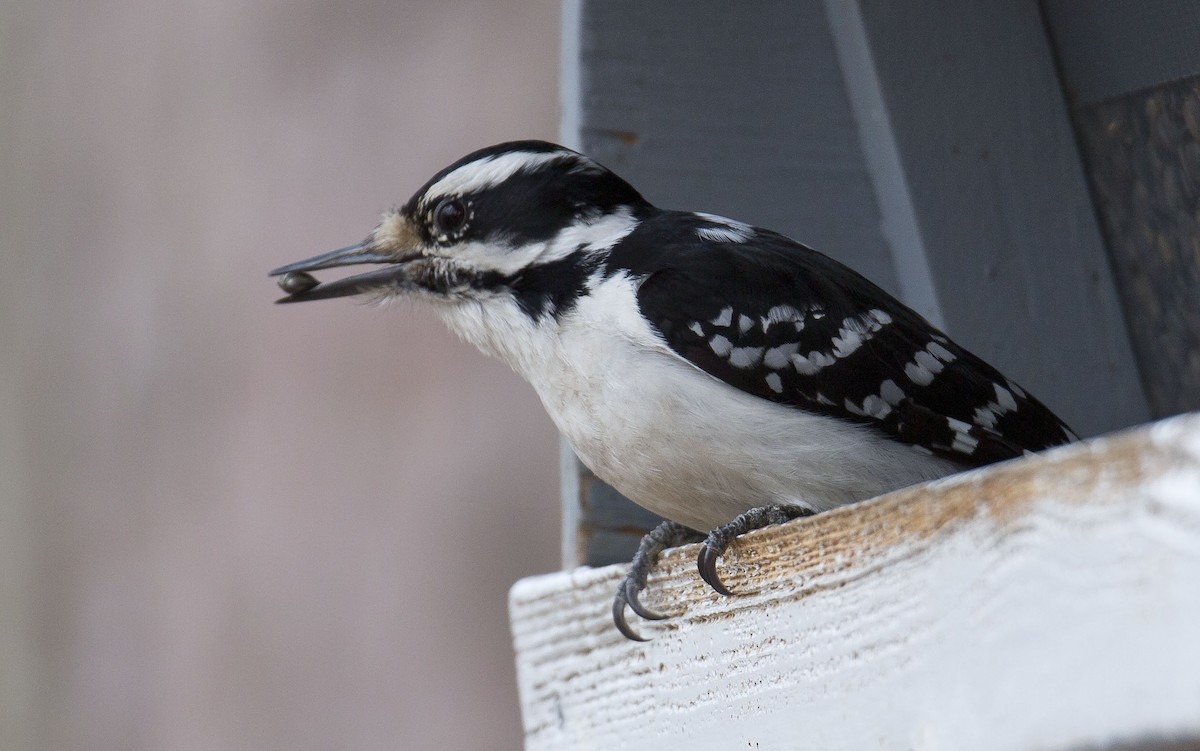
(301, 287)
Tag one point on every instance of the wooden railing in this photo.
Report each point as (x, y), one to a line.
(1050, 603)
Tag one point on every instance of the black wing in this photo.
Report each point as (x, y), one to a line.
(785, 323)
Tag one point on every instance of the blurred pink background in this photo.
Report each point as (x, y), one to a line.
(226, 524)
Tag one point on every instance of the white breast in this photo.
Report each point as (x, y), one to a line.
(673, 438)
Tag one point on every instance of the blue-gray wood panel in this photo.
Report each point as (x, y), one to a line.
(1112, 47)
(737, 109)
(1010, 232)
(1132, 70)
(734, 108)
(742, 109)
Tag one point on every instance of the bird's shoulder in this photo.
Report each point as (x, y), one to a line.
(779, 320)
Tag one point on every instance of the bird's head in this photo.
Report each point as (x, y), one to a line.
(517, 222)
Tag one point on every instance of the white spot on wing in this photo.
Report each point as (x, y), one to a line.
(811, 363)
(1004, 403)
(876, 407)
(696, 328)
(745, 323)
(854, 332)
(745, 357)
(1004, 399)
(985, 417)
(964, 442)
(918, 374)
(958, 426)
(720, 345)
(891, 393)
(778, 357)
(774, 383)
(849, 340)
(940, 352)
(724, 318)
(872, 406)
(928, 362)
(781, 313)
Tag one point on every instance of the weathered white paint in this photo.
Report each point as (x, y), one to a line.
(1051, 602)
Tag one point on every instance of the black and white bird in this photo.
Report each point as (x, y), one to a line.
(721, 375)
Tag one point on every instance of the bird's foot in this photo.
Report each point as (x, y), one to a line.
(665, 535)
(719, 539)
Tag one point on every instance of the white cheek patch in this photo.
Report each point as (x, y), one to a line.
(488, 256)
(596, 235)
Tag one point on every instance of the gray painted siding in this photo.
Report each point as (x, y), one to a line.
(738, 109)
(1009, 227)
(1111, 47)
(744, 109)
(1132, 70)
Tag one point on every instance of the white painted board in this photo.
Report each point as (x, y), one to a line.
(1051, 602)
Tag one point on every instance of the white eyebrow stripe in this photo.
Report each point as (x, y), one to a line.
(491, 171)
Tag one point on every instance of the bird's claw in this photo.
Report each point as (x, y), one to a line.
(618, 614)
(719, 540)
(706, 562)
(671, 534)
(631, 591)
(627, 595)
(665, 535)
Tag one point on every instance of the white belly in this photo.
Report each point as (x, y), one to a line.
(674, 439)
(698, 451)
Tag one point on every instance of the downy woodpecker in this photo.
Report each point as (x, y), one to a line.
(721, 375)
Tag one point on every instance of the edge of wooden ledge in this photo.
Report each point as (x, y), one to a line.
(1077, 473)
(1058, 588)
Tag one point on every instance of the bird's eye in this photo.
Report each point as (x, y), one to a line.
(450, 216)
